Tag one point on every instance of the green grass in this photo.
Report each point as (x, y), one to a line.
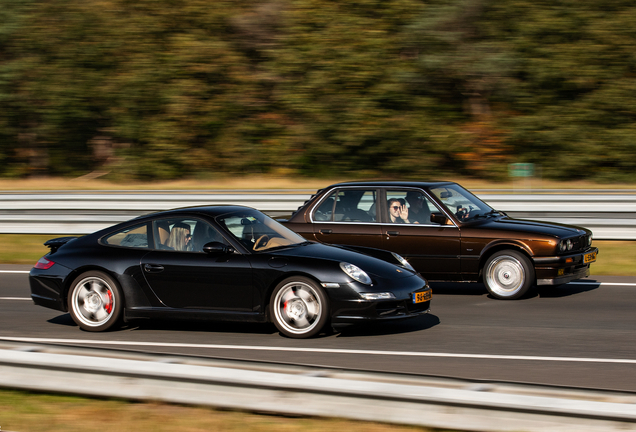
(23, 248)
(615, 257)
(24, 412)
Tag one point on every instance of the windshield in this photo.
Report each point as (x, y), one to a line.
(462, 203)
(256, 231)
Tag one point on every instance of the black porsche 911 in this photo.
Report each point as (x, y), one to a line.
(227, 263)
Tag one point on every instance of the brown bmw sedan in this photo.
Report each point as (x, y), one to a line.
(447, 234)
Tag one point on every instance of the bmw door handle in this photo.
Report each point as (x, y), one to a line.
(153, 268)
(325, 231)
(392, 233)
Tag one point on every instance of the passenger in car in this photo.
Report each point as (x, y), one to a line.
(180, 237)
(398, 212)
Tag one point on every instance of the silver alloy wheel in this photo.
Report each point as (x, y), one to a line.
(297, 307)
(505, 276)
(93, 301)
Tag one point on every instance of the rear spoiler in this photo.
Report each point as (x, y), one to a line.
(57, 243)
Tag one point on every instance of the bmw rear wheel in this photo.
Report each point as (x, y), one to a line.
(508, 275)
(299, 307)
(95, 301)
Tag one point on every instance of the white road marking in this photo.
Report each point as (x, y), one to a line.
(320, 350)
(15, 271)
(15, 298)
(603, 283)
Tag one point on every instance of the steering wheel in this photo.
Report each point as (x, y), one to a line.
(264, 239)
(463, 212)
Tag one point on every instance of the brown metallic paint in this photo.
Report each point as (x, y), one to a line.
(454, 252)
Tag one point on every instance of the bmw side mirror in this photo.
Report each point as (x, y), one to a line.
(217, 248)
(439, 218)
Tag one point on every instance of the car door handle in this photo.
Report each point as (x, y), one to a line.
(153, 268)
(392, 233)
(325, 231)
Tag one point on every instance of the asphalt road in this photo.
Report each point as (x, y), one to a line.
(579, 335)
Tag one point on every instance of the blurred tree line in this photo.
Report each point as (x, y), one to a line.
(150, 89)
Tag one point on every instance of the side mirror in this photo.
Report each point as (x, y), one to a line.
(439, 218)
(217, 248)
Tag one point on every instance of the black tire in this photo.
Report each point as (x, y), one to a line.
(95, 301)
(508, 274)
(299, 307)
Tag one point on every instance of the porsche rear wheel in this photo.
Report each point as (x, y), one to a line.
(95, 301)
(508, 275)
(299, 308)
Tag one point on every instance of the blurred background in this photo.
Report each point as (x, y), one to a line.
(159, 90)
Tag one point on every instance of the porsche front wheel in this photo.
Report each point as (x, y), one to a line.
(299, 308)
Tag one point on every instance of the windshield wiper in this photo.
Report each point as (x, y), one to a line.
(493, 212)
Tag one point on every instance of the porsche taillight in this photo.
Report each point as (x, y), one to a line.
(44, 264)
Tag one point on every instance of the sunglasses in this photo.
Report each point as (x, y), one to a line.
(396, 207)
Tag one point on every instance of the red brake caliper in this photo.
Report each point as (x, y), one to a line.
(108, 307)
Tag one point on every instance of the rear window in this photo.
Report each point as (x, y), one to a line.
(133, 237)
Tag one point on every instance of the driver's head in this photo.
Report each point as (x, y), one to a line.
(415, 199)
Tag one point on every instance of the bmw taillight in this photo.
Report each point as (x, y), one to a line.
(43, 264)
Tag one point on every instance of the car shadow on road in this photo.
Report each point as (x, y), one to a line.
(367, 329)
(64, 319)
(543, 291)
(384, 328)
(546, 291)
(180, 325)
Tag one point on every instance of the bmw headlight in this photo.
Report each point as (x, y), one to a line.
(403, 261)
(356, 273)
(566, 245)
(561, 246)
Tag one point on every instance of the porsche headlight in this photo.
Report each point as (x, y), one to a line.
(403, 261)
(378, 296)
(356, 273)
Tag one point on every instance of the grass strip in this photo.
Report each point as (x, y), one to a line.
(25, 412)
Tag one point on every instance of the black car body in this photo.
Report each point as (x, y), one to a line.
(447, 234)
(233, 263)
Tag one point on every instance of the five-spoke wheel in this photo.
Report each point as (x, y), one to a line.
(508, 274)
(95, 301)
(299, 307)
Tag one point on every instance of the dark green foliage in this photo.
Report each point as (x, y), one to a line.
(367, 88)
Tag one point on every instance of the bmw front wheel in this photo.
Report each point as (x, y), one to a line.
(299, 307)
(95, 301)
(508, 275)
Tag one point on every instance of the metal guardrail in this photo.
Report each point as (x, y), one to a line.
(289, 390)
(610, 215)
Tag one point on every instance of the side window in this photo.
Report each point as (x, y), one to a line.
(412, 207)
(324, 212)
(355, 205)
(133, 237)
(348, 205)
(184, 234)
